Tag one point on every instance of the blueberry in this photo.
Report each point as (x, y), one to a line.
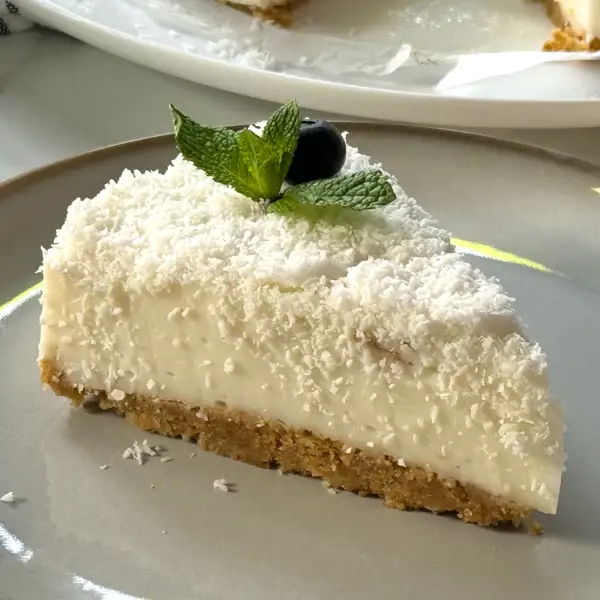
(320, 154)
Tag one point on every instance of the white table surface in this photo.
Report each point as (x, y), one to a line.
(59, 97)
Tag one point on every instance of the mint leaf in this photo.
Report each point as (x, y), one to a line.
(262, 164)
(255, 166)
(282, 129)
(281, 133)
(214, 150)
(253, 149)
(359, 191)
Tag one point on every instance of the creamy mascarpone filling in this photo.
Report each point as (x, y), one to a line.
(583, 15)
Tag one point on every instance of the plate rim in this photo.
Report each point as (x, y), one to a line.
(17, 182)
(344, 98)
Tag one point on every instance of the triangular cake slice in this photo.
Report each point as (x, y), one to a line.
(357, 348)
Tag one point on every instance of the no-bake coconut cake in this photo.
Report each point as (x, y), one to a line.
(323, 325)
(577, 21)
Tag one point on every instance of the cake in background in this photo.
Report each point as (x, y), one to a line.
(577, 21)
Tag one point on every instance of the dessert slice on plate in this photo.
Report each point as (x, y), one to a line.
(324, 325)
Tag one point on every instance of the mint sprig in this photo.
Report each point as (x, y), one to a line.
(360, 191)
(256, 166)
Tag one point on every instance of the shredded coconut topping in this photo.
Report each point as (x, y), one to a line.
(8, 498)
(221, 485)
(141, 452)
(151, 231)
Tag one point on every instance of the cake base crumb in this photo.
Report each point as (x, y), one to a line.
(533, 527)
(91, 403)
(566, 39)
(282, 15)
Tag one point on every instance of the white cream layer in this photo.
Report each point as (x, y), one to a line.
(367, 329)
(583, 15)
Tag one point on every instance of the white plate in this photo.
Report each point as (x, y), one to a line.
(82, 533)
(339, 56)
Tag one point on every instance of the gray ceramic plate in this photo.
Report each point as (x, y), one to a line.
(81, 532)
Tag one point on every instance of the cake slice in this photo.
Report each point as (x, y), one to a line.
(330, 330)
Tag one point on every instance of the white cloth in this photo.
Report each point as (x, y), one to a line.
(10, 19)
